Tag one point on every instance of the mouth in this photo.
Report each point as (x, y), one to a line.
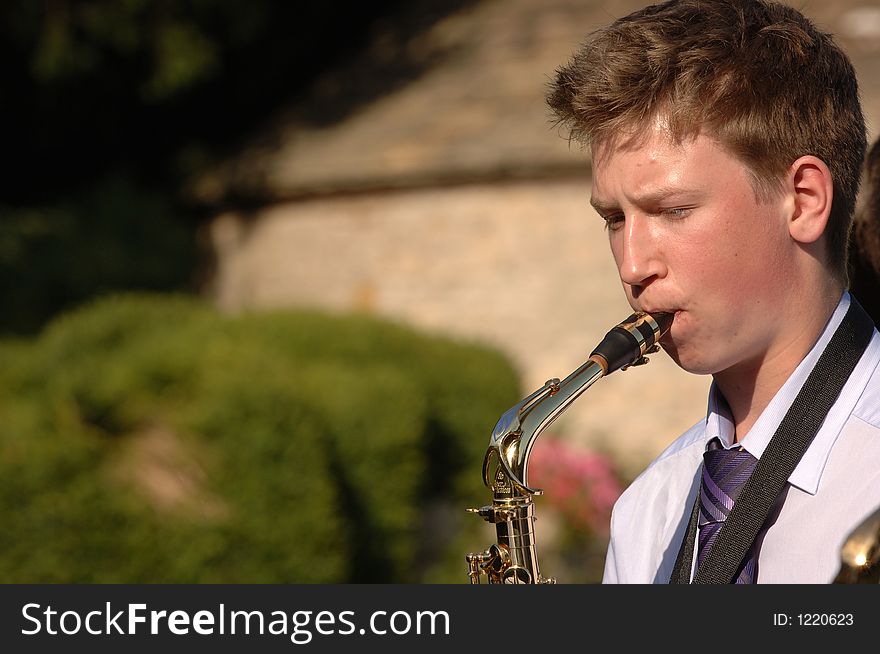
(660, 312)
(665, 318)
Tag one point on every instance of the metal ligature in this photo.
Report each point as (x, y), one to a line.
(513, 558)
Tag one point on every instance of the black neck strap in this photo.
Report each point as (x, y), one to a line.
(794, 435)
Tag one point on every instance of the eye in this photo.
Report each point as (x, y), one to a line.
(676, 212)
(613, 221)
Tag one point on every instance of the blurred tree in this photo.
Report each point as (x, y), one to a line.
(111, 105)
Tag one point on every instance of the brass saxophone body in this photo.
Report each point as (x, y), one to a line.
(513, 559)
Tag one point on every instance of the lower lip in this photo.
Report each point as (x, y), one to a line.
(674, 314)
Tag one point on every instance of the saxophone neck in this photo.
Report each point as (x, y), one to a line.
(626, 344)
(514, 558)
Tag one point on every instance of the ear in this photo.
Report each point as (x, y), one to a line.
(813, 190)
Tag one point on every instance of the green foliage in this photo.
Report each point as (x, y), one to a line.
(150, 439)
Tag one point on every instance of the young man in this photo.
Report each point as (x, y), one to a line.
(727, 139)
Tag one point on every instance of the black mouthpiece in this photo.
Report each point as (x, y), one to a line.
(664, 320)
(630, 340)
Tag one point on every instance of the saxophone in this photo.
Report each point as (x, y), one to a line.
(860, 553)
(513, 559)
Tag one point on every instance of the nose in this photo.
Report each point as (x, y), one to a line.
(638, 252)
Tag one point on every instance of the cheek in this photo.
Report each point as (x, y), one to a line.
(738, 262)
(719, 270)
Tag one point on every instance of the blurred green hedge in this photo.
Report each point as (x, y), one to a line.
(151, 439)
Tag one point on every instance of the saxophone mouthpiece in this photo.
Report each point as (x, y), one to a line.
(627, 343)
(664, 321)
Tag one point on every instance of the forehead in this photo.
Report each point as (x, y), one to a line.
(653, 159)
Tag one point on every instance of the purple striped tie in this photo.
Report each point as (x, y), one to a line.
(724, 474)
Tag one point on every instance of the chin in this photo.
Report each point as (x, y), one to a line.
(688, 361)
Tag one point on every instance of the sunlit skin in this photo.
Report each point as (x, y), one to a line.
(747, 278)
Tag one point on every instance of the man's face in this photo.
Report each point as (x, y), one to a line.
(689, 236)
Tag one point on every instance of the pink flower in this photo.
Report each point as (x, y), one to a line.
(579, 483)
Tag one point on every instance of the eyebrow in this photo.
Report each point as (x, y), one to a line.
(601, 207)
(651, 197)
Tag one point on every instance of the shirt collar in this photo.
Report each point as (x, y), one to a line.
(806, 476)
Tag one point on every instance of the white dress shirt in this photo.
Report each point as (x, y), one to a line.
(834, 487)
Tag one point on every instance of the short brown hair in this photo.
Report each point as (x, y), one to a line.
(768, 84)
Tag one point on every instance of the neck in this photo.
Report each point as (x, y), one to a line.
(749, 386)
